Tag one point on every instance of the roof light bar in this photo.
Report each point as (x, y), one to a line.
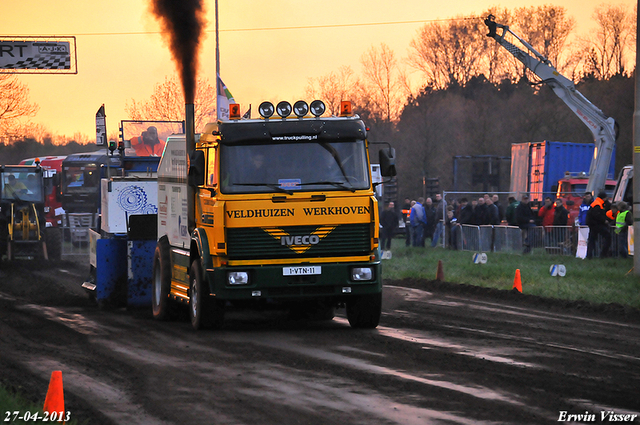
(284, 109)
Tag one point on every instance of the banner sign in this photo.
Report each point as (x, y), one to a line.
(101, 127)
(35, 54)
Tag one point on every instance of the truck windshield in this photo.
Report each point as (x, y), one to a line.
(21, 186)
(290, 167)
(81, 178)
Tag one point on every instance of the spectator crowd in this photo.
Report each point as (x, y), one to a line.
(432, 219)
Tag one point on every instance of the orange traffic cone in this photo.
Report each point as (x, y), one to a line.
(54, 402)
(440, 272)
(517, 283)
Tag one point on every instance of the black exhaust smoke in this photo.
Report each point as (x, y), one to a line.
(182, 23)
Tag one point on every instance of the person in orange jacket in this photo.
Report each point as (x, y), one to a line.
(612, 214)
(597, 222)
(406, 210)
(148, 144)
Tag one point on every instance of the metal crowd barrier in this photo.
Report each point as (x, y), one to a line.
(75, 233)
(556, 240)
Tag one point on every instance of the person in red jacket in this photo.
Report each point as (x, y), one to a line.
(561, 231)
(148, 144)
(547, 212)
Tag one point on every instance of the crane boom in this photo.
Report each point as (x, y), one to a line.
(602, 127)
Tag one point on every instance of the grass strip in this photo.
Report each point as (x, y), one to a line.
(599, 281)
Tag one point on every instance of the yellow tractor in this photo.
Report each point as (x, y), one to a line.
(23, 230)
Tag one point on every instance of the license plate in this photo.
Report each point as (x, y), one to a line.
(301, 271)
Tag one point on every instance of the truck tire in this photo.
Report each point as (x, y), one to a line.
(364, 311)
(163, 308)
(54, 243)
(4, 238)
(204, 312)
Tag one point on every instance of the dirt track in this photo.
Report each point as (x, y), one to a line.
(444, 353)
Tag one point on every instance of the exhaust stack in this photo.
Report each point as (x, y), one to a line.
(191, 146)
(190, 130)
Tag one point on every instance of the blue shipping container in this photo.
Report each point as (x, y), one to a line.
(549, 161)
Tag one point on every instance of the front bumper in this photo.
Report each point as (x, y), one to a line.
(334, 281)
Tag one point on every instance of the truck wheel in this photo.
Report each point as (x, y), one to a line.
(54, 243)
(4, 237)
(205, 313)
(11, 251)
(160, 301)
(364, 311)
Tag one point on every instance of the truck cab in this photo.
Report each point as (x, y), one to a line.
(624, 186)
(284, 211)
(80, 182)
(51, 171)
(23, 231)
(571, 189)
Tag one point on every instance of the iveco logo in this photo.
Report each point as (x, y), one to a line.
(299, 240)
(299, 244)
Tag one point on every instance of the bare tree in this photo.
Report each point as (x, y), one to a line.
(167, 104)
(450, 53)
(498, 64)
(608, 50)
(547, 29)
(333, 87)
(14, 106)
(383, 82)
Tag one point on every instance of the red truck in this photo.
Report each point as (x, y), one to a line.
(52, 166)
(573, 186)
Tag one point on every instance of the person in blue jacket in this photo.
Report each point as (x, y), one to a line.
(418, 219)
(587, 199)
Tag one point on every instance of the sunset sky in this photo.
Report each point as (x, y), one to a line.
(121, 54)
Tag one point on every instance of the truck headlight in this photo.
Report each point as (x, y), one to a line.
(237, 278)
(361, 274)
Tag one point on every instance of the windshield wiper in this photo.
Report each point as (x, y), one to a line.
(342, 185)
(269, 185)
(336, 156)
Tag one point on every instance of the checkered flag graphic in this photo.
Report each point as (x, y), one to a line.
(42, 62)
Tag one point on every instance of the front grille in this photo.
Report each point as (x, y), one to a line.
(258, 243)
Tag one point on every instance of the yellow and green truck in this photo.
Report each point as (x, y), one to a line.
(270, 210)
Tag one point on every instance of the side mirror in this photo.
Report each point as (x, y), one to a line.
(196, 168)
(387, 162)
